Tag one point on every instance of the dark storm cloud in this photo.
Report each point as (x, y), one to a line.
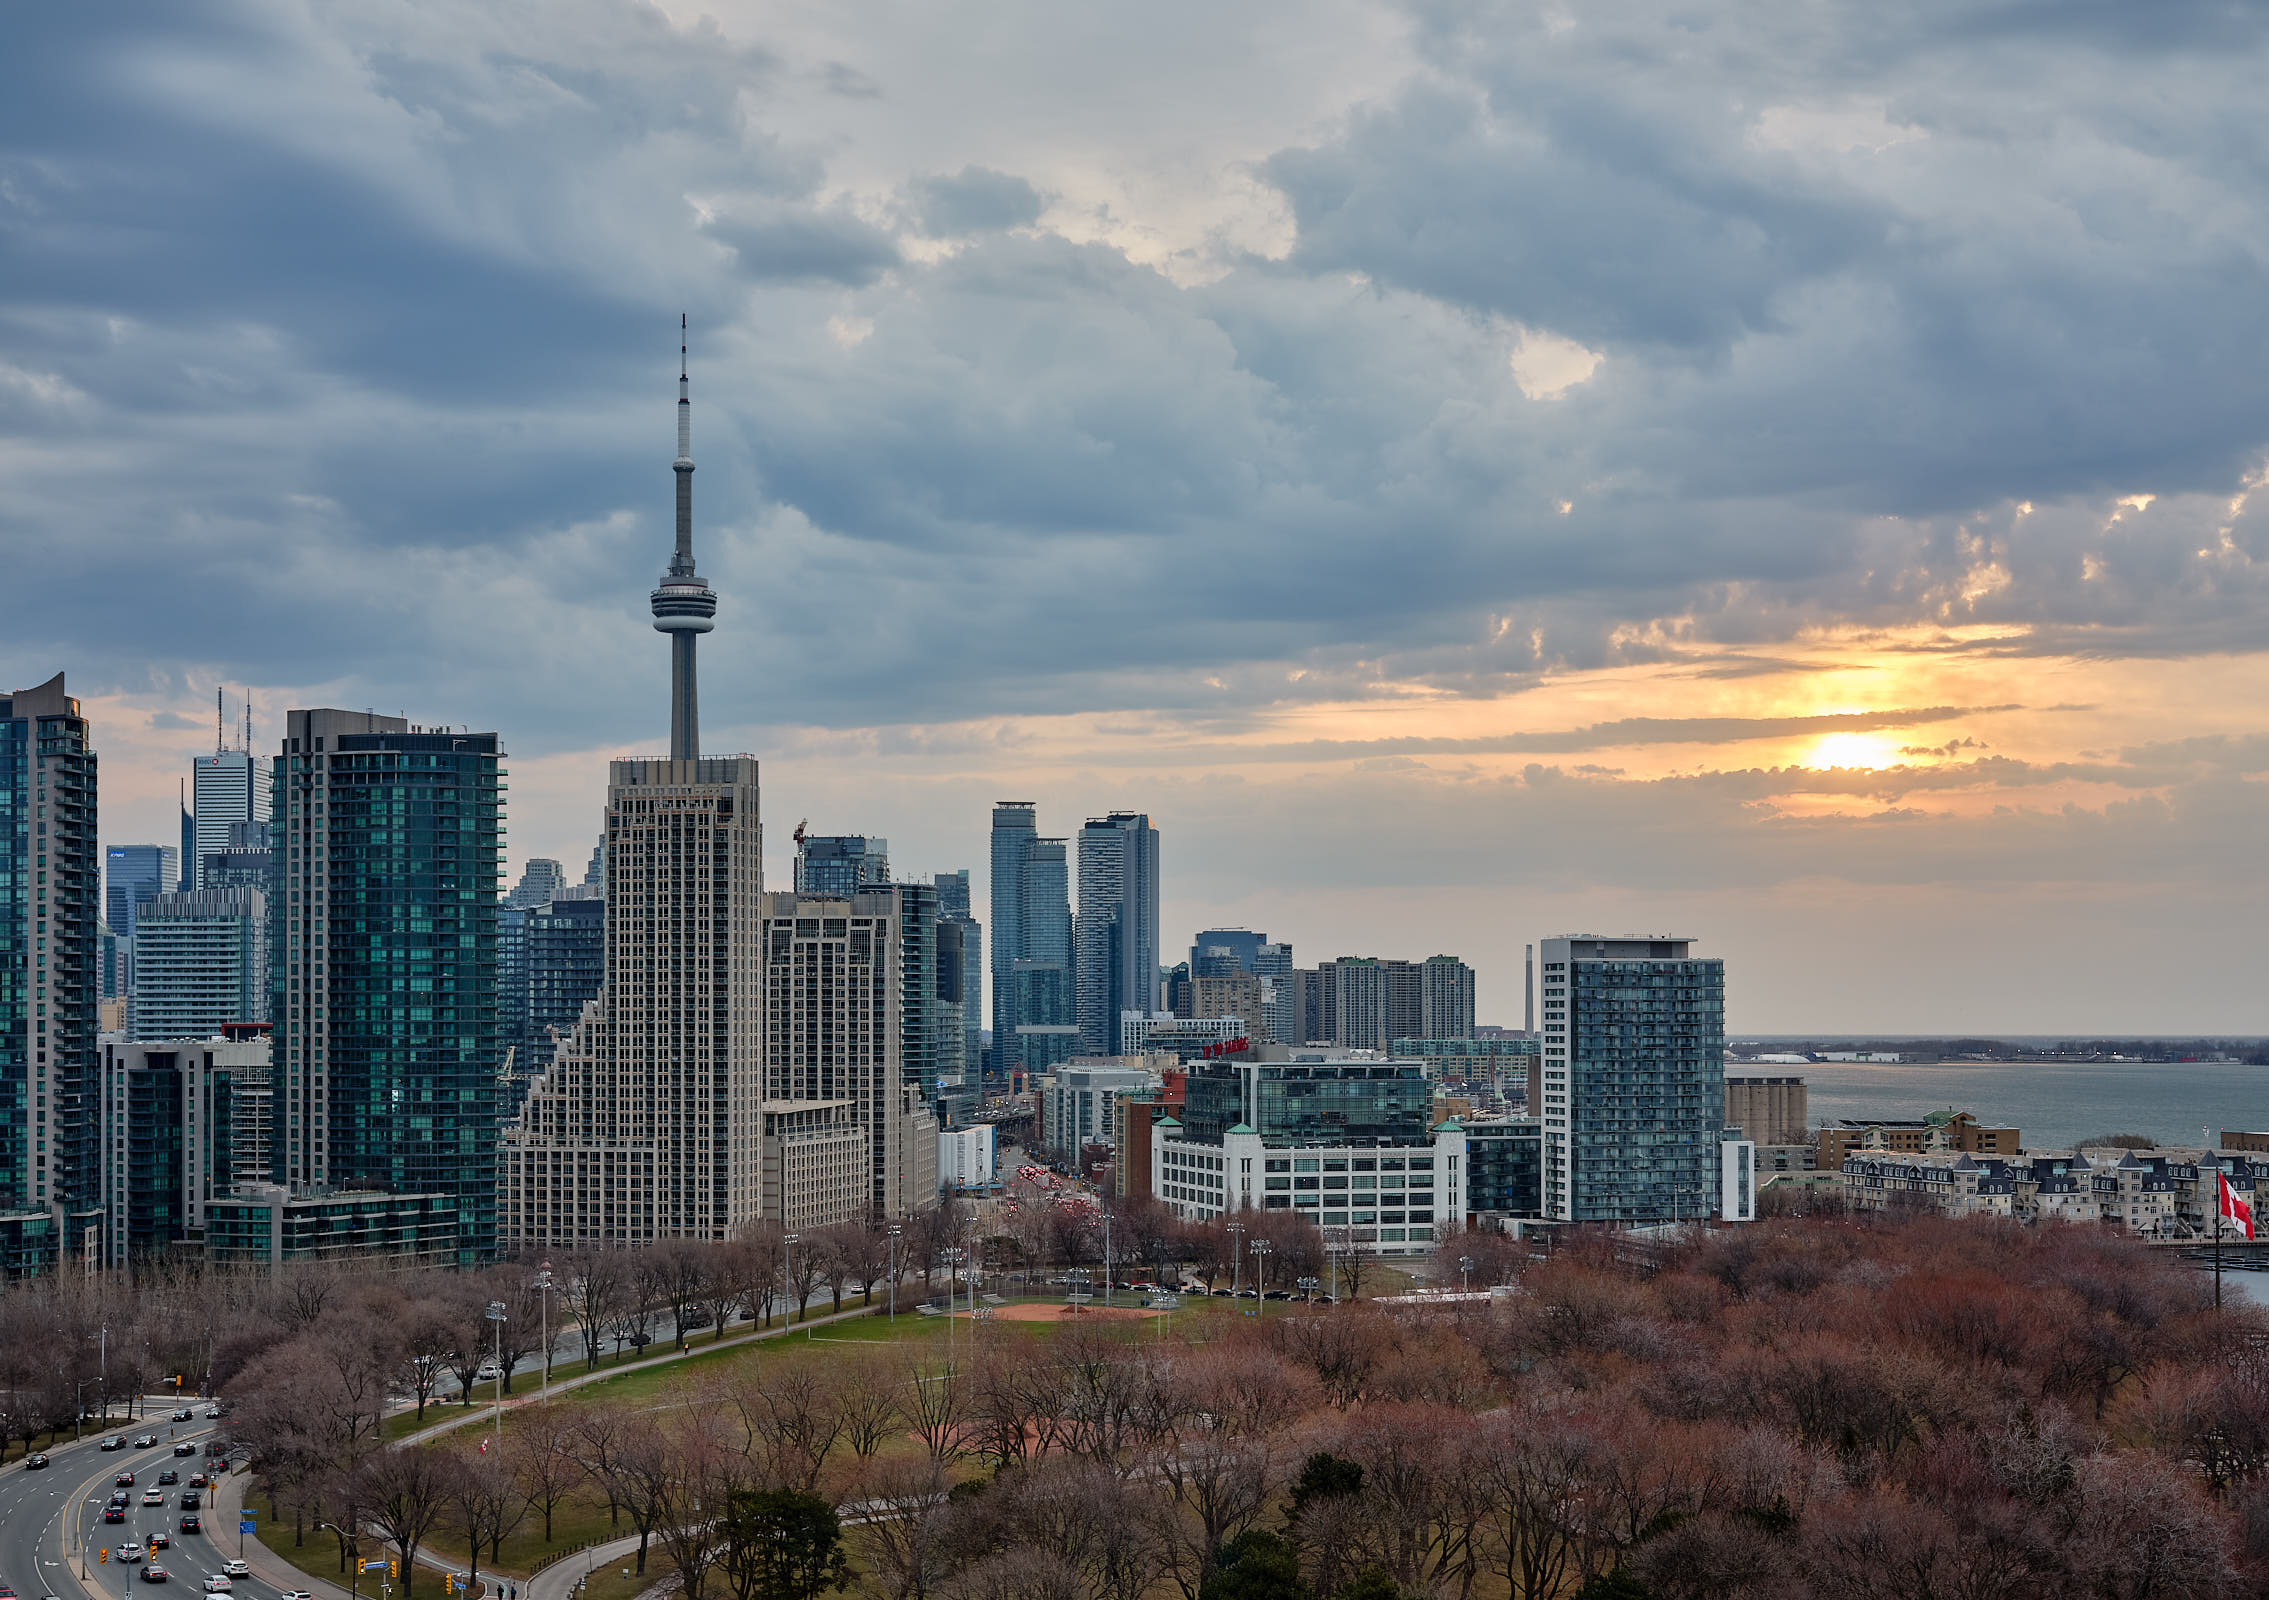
(363, 316)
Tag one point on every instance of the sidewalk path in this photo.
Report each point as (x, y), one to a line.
(481, 1411)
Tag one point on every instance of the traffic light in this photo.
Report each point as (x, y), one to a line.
(102, 1556)
(393, 1569)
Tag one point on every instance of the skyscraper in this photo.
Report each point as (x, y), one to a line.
(684, 606)
(200, 962)
(228, 788)
(1445, 999)
(1117, 937)
(382, 965)
(1632, 1079)
(1015, 826)
(551, 963)
(540, 884)
(840, 864)
(136, 874)
(50, 921)
(1043, 1016)
(955, 909)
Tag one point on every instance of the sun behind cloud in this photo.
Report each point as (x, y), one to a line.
(1867, 751)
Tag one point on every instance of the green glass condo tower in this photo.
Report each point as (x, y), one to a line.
(383, 968)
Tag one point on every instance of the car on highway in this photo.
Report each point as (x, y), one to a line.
(294, 1594)
(114, 1514)
(191, 1525)
(236, 1569)
(185, 1415)
(191, 1500)
(159, 1541)
(169, 1477)
(153, 1573)
(196, 1480)
(213, 1410)
(187, 1447)
(142, 1441)
(125, 1480)
(131, 1550)
(114, 1442)
(153, 1497)
(34, 1461)
(218, 1584)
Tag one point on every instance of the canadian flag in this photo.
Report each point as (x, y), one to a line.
(2236, 1213)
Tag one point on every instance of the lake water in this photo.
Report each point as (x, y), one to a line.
(2053, 1104)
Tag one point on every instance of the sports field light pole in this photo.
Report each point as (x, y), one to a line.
(786, 1241)
(1261, 1248)
(1236, 1231)
(1465, 1265)
(893, 1230)
(495, 1314)
(1307, 1288)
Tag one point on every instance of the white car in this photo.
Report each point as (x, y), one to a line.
(129, 1552)
(212, 1411)
(236, 1569)
(216, 1584)
(294, 1594)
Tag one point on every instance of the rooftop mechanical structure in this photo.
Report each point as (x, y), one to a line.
(684, 606)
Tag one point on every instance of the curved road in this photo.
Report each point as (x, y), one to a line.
(52, 1518)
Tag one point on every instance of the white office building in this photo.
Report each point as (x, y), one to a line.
(968, 1158)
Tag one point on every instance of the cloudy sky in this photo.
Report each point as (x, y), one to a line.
(1791, 474)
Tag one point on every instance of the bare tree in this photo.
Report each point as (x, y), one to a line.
(490, 1502)
(540, 1450)
(592, 1286)
(403, 1494)
(935, 1406)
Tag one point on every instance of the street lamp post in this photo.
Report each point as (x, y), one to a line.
(952, 1256)
(1465, 1265)
(495, 1314)
(893, 1230)
(354, 1556)
(1236, 1257)
(543, 1287)
(787, 1240)
(1261, 1248)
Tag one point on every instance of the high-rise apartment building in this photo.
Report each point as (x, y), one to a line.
(201, 962)
(228, 789)
(50, 952)
(382, 965)
(551, 963)
(1280, 997)
(181, 1128)
(1116, 934)
(541, 882)
(1235, 994)
(1631, 1085)
(1445, 998)
(643, 1127)
(1217, 951)
(963, 937)
(1035, 1018)
(834, 1001)
(840, 864)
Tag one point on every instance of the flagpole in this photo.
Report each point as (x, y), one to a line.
(2218, 1182)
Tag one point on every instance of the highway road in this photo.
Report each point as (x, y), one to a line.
(49, 1519)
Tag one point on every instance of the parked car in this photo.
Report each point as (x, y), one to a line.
(34, 1461)
(153, 1573)
(191, 1525)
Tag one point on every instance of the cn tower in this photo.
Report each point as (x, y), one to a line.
(684, 606)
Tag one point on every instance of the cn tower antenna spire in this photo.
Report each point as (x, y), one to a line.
(684, 606)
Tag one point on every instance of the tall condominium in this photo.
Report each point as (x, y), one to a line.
(183, 1125)
(228, 789)
(840, 864)
(1116, 934)
(1218, 951)
(1445, 998)
(1035, 1022)
(1632, 1079)
(630, 1135)
(966, 935)
(551, 963)
(1372, 1002)
(201, 962)
(50, 922)
(834, 1044)
(541, 882)
(382, 965)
